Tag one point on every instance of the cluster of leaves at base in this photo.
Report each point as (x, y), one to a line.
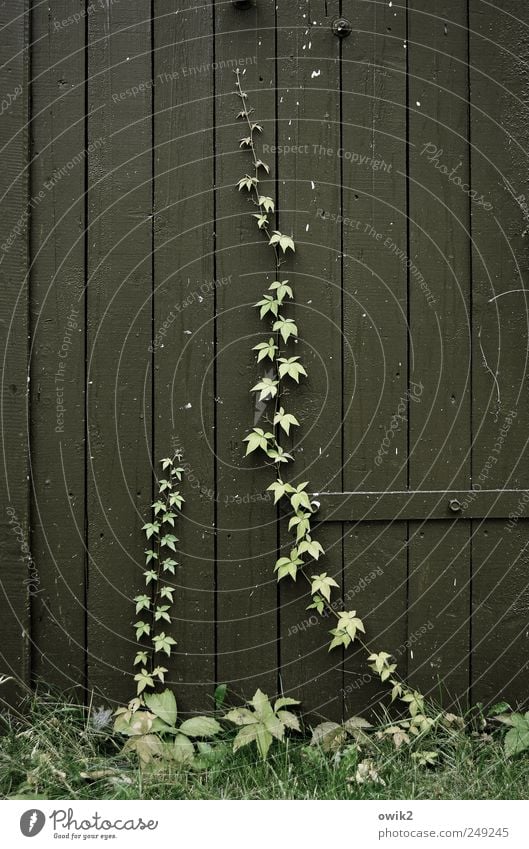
(150, 723)
(358, 737)
(516, 739)
(260, 723)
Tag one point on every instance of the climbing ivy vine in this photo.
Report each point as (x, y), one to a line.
(155, 603)
(276, 350)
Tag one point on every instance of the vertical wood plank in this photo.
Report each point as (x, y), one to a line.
(119, 304)
(308, 170)
(376, 334)
(58, 344)
(499, 135)
(16, 565)
(246, 518)
(439, 552)
(184, 329)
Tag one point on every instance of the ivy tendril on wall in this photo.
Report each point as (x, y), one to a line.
(150, 719)
(275, 350)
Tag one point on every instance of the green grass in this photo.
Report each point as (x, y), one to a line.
(54, 753)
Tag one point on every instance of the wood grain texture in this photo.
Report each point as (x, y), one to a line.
(119, 303)
(375, 329)
(246, 523)
(58, 172)
(499, 135)
(439, 316)
(184, 320)
(17, 567)
(308, 87)
(399, 160)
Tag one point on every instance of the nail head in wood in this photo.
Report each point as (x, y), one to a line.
(341, 27)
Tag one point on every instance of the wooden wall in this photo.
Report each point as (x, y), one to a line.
(129, 265)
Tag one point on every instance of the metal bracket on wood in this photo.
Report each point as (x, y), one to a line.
(422, 505)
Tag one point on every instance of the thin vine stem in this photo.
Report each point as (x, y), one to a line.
(349, 625)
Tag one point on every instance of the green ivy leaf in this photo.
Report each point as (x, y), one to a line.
(150, 529)
(268, 304)
(159, 672)
(322, 584)
(287, 328)
(167, 592)
(302, 524)
(257, 439)
(168, 565)
(278, 455)
(150, 575)
(350, 623)
(267, 203)
(142, 628)
(143, 602)
(267, 388)
(284, 242)
(300, 498)
(281, 289)
(292, 367)
(266, 349)
(311, 547)
(288, 565)
(317, 604)
(247, 182)
(163, 643)
(262, 220)
(279, 489)
(161, 613)
(169, 541)
(379, 661)
(143, 679)
(285, 420)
